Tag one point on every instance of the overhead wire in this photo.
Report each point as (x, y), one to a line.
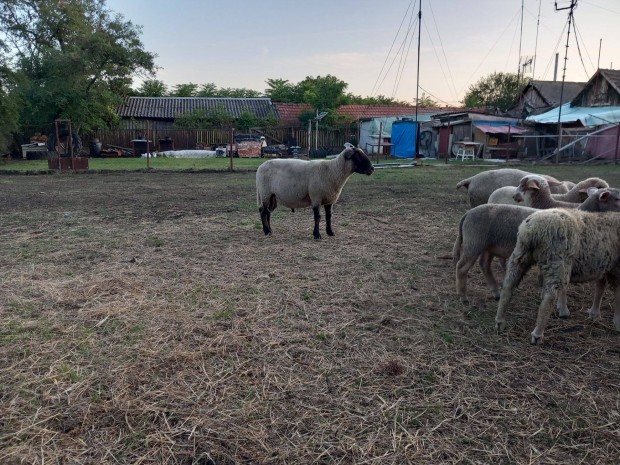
(441, 68)
(508, 57)
(489, 52)
(577, 33)
(435, 97)
(601, 7)
(387, 57)
(536, 44)
(453, 88)
(404, 56)
(557, 45)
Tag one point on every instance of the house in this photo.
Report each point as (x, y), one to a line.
(540, 96)
(161, 112)
(589, 122)
(492, 133)
(290, 112)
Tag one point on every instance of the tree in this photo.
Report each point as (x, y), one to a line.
(323, 93)
(237, 92)
(426, 102)
(9, 107)
(185, 90)
(282, 91)
(75, 59)
(152, 88)
(495, 90)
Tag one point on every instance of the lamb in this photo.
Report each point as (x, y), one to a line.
(482, 185)
(568, 246)
(300, 184)
(577, 194)
(491, 230)
(535, 192)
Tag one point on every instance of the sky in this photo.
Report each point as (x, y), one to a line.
(373, 45)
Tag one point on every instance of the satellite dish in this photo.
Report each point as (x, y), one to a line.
(320, 116)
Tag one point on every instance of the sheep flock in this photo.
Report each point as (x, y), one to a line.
(572, 235)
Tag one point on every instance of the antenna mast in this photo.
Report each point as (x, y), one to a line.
(417, 89)
(573, 5)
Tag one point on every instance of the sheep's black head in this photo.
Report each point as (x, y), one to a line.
(361, 162)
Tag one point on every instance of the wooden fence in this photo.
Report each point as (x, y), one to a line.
(200, 138)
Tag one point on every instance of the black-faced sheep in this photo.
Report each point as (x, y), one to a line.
(568, 246)
(482, 185)
(298, 183)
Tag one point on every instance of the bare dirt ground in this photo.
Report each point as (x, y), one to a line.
(145, 319)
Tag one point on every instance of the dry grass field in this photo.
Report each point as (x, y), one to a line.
(146, 319)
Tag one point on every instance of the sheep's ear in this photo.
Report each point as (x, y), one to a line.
(603, 195)
(552, 181)
(591, 190)
(532, 184)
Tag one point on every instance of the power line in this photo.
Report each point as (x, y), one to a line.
(372, 92)
(557, 45)
(536, 42)
(510, 50)
(404, 56)
(489, 52)
(601, 7)
(435, 97)
(440, 64)
(577, 33)
(453, 89)
(390, 67)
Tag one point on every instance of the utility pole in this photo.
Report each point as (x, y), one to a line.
(417, 88)
(573, 5)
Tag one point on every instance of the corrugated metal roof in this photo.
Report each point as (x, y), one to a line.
(173, 107)
(587, 116)
(501, 129)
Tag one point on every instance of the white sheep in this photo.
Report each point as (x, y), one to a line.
(576, 194)
(568, 246)
(535, 192)
(490, 230)
(300, 184)
(481, 186)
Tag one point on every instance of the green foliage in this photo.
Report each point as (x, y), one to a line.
(75, 59)
(211, 90)
(282, 91)
(426, 102)
(185, 90)
(9, 108)
(495, 90)
(200, 119)
(246, 120)
(323, 92)
(152, 88)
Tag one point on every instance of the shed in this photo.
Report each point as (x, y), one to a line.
(161, 112)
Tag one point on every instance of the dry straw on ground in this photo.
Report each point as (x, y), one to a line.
(145, 319)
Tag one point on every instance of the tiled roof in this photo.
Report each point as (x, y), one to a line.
(290, 112)
(172, 107)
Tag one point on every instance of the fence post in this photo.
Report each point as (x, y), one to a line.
(617, 140)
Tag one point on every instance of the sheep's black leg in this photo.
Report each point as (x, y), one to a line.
(328, 220)
(265, 215)
(317, 220)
